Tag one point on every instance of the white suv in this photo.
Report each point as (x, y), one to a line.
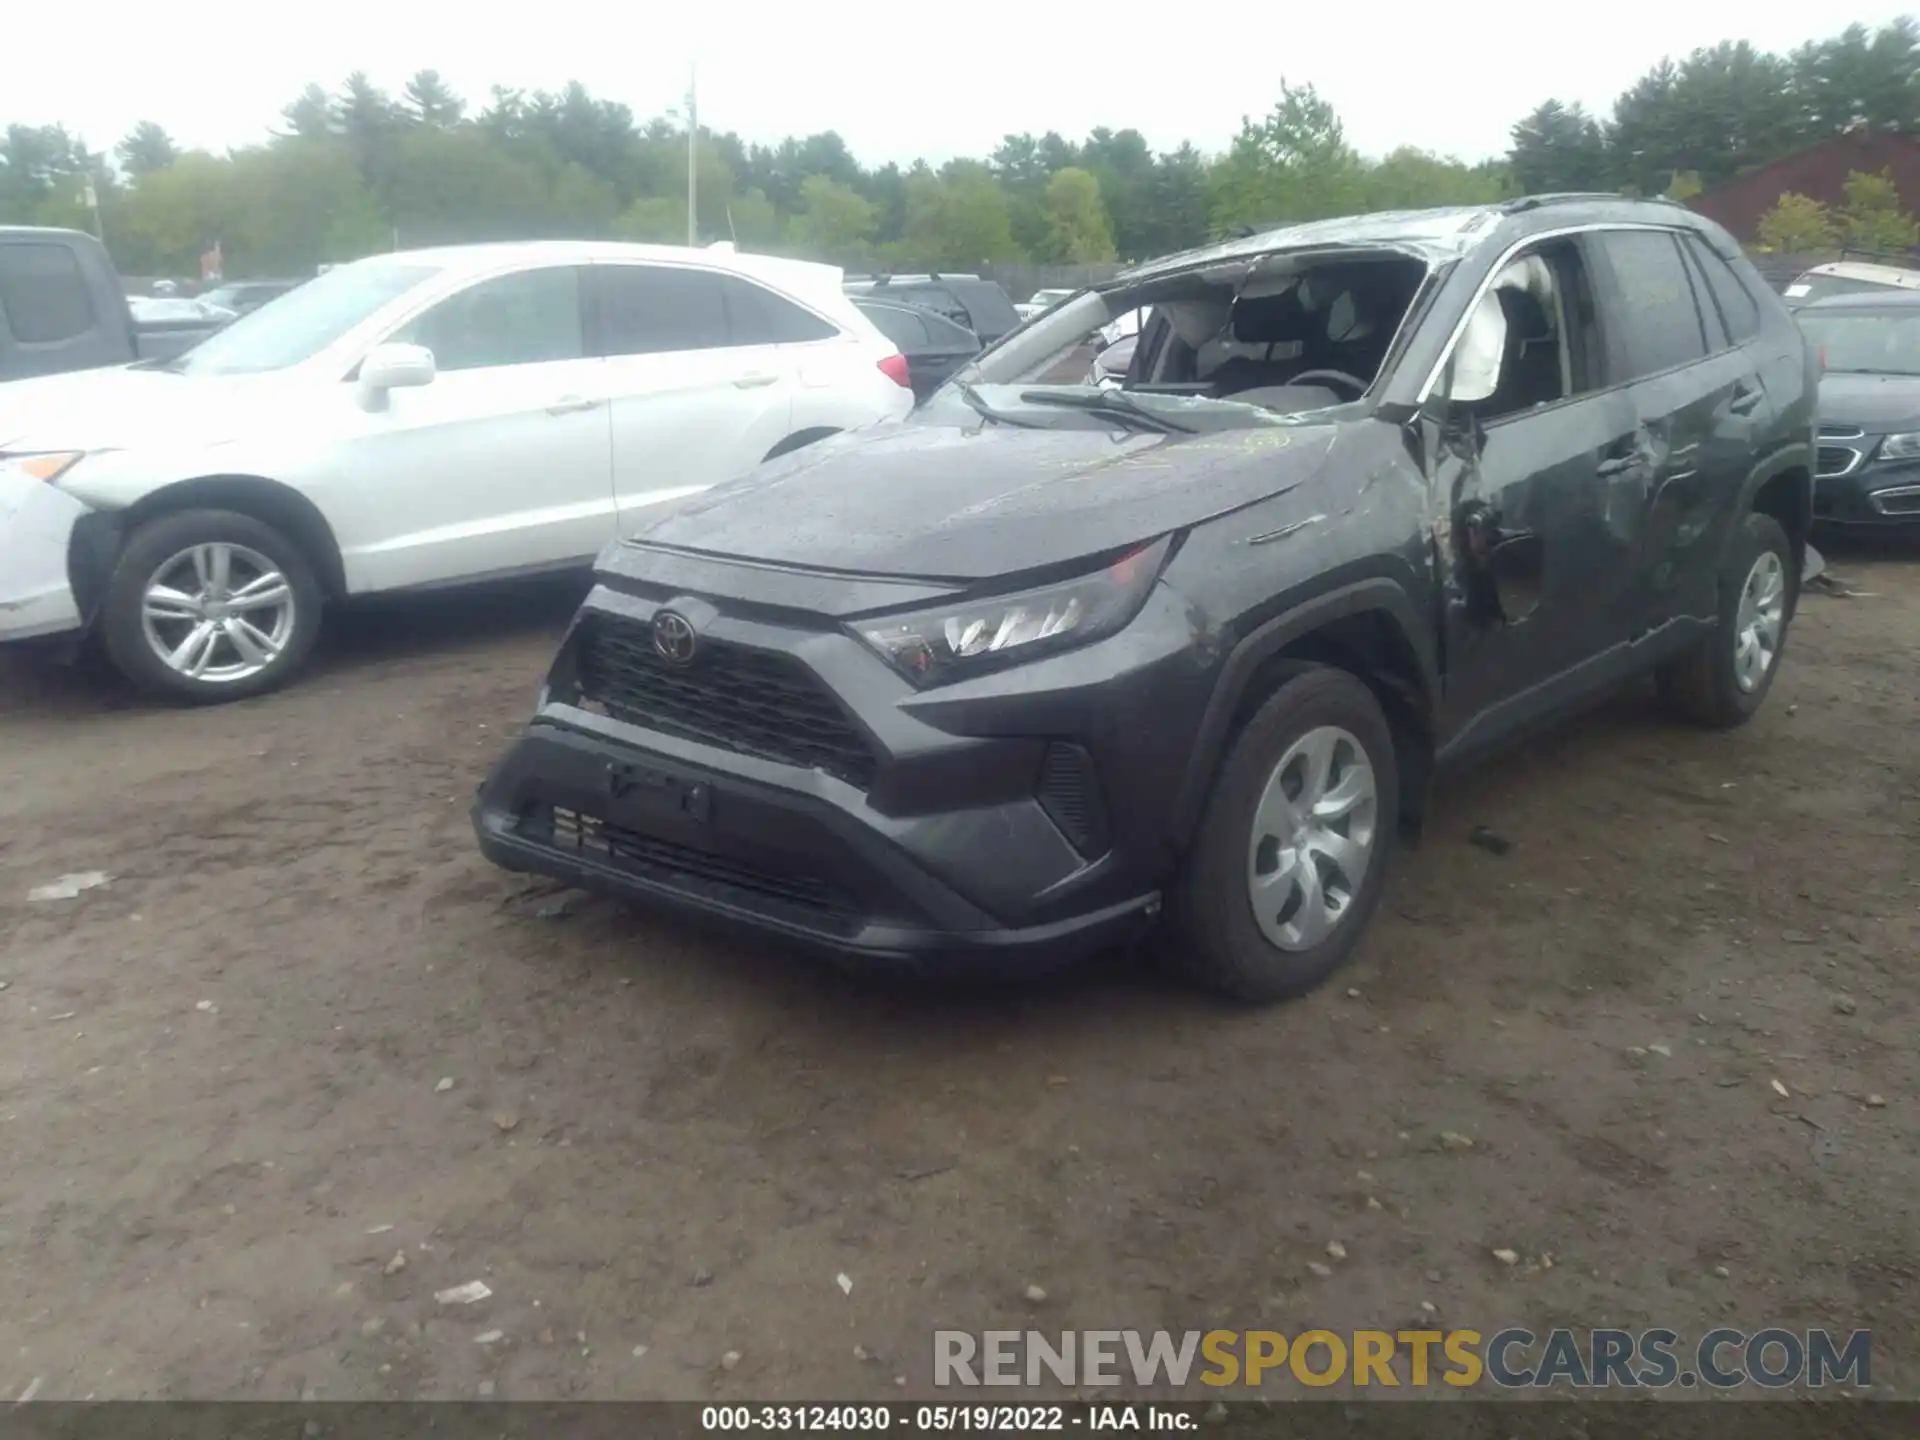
(411, 420)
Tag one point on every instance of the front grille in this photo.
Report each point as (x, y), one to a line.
(1835, 460)
(1069, 791)
(1841, 432)
(795, 895)
(752, 702)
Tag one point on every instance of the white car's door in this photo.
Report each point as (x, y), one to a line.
(503, 463)
(697, 394)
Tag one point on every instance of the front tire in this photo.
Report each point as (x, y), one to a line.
(1723, 679)
(209, 606)
(1292, 852)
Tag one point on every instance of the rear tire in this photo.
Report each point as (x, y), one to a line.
(209, 606)
(1292, 852)
(1722, 681)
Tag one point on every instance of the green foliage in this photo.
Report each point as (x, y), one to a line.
(955, 220)
(1078, 231)
(1798, 225)
(1724, 110)
(1872, 216)
(833, 220)
(1295, 164)
(355, 169)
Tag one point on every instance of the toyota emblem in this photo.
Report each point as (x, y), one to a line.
(673, 638)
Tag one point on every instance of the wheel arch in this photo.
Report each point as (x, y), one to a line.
(799, 440)
(268, 501)
(1785, 492)
(1372, 630)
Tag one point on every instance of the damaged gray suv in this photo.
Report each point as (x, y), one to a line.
(1048, 665)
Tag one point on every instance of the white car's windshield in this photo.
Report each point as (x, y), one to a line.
(1866, 342)
(303, 322)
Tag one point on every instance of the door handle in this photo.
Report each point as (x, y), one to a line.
(571, 405)
(1618, 465)
(1746, 400)
(755, 381)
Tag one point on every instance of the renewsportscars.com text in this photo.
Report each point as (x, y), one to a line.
(1512, 1358)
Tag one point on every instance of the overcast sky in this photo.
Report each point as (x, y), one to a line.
(897, 80)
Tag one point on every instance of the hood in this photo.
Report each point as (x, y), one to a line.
(964, 503)
(1878, 404)
(123, 407)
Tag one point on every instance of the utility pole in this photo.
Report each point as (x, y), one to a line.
(91, 195)
(693, 140)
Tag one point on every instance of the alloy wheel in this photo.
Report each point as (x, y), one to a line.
(218, 612)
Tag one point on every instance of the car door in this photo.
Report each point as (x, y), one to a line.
(697, 395)
(1697, 402)
(501, 464)
(1538, 544)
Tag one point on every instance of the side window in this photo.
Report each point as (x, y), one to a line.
(1715, 328)
(1738, 308)
(760, 317)
(1531, 339)
(526, 318)
(899, 324)
(658, 309)
(43, 294)
(1656, 315)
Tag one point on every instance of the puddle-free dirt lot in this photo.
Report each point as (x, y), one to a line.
(224, 1119)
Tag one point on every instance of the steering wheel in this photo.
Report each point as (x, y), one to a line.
(1305, 376)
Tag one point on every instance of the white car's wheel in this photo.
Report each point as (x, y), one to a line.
(210, 605)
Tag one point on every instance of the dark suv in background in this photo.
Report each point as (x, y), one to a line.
(1019, 677)
(979, 305)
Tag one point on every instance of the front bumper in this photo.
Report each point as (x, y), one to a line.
(1877, 495)
(998, 826)
(37, 523)
(725, 847)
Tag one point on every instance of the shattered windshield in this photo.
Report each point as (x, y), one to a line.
(1258, 341)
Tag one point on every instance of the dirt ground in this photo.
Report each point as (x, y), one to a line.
(231, 1163)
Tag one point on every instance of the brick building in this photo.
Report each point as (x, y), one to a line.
(1820, 173)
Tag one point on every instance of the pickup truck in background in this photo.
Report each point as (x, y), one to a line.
(62, 308)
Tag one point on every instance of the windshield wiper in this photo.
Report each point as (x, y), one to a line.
(1106, 402)
(986, 411)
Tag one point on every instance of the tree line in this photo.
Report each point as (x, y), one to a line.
(358, 170)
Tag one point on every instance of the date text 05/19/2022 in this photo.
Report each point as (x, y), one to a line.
(942, 1419)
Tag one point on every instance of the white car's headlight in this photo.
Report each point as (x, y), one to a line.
(46, 465)
(967, 637)
(1901, 447)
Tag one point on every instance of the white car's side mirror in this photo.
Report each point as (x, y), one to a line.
(394, 367)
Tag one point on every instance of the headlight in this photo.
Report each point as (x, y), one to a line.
(967, 637)
(1901, 447)
(42, 465)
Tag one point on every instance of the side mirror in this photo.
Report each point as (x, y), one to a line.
(394, 367)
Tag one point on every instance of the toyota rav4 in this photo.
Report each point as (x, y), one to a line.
(1050, 663)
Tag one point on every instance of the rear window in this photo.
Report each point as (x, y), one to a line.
(937, 298)
(899, 324)
(1818, 287)
(43, 293)
(992, 311)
